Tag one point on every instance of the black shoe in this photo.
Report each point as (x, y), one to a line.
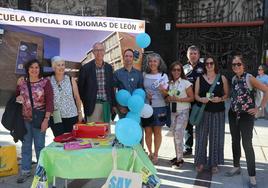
(23, 177)
(187, 153)
(177, 164)
(173, 160)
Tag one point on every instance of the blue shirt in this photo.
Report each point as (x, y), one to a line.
(263, 79)
(128, 80)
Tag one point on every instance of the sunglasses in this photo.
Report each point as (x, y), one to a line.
(209, 63)
(178, 70)
(236, 64)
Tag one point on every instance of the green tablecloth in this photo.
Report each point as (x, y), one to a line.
(90, 163)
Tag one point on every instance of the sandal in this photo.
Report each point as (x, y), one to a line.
(155, 160)
(214, 170)
(151, 156)
(200, 168)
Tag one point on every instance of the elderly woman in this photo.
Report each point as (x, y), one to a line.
(180, 95)
(241, 116)
(155, 83)
(67, 103)
(211, 127)
(36, 94)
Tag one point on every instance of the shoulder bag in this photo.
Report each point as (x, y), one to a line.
(37, 115)
(197, 111)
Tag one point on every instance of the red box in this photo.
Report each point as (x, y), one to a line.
(85, 131)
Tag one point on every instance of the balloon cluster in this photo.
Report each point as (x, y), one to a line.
(128, 130)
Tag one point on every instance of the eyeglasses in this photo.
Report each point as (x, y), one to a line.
(209, 63)
(174, 70)
(236, 64)
(98, 50)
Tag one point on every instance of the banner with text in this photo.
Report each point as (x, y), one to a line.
(28, 18)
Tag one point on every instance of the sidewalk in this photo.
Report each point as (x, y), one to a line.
(184, 177)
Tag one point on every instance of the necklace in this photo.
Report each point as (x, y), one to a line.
(211, 77)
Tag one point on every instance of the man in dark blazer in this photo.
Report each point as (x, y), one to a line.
(95, 85)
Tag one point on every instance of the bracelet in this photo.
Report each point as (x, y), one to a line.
(79, 111)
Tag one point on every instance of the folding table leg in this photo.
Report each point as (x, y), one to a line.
(66, 183)
(54, 182)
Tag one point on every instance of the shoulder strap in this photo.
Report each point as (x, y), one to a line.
(30, 93)
(71, 85)
(214, 83)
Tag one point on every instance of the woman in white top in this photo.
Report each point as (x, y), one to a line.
(155, 82)
(67, 102)
(180, 95)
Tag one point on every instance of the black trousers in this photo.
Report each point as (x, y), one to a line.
(242, 127)
(64, 127)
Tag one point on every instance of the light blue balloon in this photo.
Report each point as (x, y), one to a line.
(135, 104)
(128, 132)
(143, 40)
(134, 116)
(122, 97)
(139, 92)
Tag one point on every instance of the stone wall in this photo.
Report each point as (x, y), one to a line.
(9, 3)
(71, 7)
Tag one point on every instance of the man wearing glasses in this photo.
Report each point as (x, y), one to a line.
(95, 84)
(193, 55)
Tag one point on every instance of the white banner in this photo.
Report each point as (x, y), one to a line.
(29, 18)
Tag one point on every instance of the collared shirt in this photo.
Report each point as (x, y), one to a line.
(129, 81)
(180, 86)
(197, 71)
(101, 92)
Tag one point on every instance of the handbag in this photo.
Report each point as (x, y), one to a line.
(37, 115)
(197, 111)
(8, 160)
(122, 178)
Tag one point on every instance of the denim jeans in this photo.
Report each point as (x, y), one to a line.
(38, 137)
(242, 128)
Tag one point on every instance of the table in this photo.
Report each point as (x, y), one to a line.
(90, 163)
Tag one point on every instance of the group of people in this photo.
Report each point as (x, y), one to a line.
(171, 94)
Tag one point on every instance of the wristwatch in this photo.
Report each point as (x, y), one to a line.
(260, 108)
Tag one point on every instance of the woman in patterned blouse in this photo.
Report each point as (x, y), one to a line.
(241, 116)
(42, 96)
(67, 102)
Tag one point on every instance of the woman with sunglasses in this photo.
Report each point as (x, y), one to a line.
(212, 124)
(180, 96)
(241, 116)
(263, 78)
